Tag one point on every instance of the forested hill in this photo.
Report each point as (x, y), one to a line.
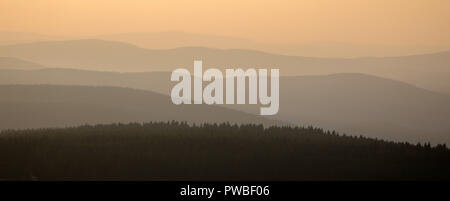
(178, 151)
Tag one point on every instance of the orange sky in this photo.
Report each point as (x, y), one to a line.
(392, 22)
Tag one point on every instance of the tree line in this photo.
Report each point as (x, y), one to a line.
(181, 151)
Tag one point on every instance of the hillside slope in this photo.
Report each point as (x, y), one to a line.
(18, 64)
(30, 106)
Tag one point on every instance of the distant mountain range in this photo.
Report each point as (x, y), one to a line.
(176, 39)
(352, 103)
(429, 71)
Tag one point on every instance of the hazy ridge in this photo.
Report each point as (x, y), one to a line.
(430, 71)
(38, 106)
(351, 103)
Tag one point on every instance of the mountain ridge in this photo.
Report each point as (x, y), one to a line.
(175, 38)
(38, 106)
(350, 103)
(429, 71)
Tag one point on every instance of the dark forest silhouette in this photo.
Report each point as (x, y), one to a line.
(179, 151)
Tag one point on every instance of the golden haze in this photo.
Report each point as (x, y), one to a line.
(381, 22)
